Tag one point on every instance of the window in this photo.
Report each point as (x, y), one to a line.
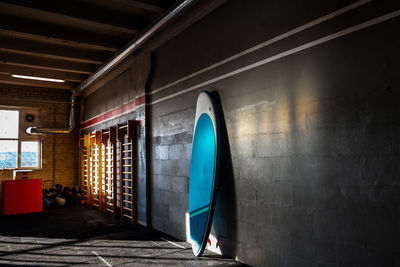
(16, 152)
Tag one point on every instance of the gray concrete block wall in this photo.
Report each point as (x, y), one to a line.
(170, 183)
(313, 137)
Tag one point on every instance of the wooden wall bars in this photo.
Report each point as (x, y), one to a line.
(84, 154)
(108, 170)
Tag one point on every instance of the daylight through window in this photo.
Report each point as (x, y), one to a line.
(14, 152)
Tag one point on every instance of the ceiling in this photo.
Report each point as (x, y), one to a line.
(67, 39)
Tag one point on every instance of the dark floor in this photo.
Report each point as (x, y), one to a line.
(76, 235)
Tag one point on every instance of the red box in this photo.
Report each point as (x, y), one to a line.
(21, 196)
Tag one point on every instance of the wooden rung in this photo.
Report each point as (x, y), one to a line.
(127, 186)
(127, 144)
(109, 197)
(126, 208)
(95, 204)
(126, 151)
(110, 210)
(127, 165)
(129, 180)
(127, 201)
(126, 215)
(127, 172)
(127, 158)
(124, 126)
(126, 194)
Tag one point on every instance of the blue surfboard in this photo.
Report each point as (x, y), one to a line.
(204, 171)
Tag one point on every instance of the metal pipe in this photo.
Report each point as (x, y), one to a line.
(70, 128)
(134, 45)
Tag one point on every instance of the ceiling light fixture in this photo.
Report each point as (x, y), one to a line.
(37, 78)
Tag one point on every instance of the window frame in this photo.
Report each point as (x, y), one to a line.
(20, 140)
(39, 166)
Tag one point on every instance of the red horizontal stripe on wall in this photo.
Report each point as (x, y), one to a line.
(130, 106)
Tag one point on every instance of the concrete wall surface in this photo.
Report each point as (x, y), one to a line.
(311, 145)
(308, 94)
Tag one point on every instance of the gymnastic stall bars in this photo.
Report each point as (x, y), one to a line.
(127, 140)
(95, 168)
(90, 168)
(113, 170)
(84, 145)
(117, 180)
(94, 173)
(107, 170)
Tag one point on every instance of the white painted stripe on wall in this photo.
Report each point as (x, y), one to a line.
(266, 43)
(286, 53)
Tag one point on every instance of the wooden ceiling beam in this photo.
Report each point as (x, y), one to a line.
(33, 48)
(56, 41)
(129, 10)
(154, 7)
(7, 79)
(53, 34)
(61, 19)
(46, 63)
(72, 77)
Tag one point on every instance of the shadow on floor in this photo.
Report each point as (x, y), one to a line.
(73, 235)
(73, 222)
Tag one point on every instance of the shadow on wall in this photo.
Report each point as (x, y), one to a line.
(224, 222)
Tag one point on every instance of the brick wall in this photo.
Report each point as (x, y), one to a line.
(59, 165)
